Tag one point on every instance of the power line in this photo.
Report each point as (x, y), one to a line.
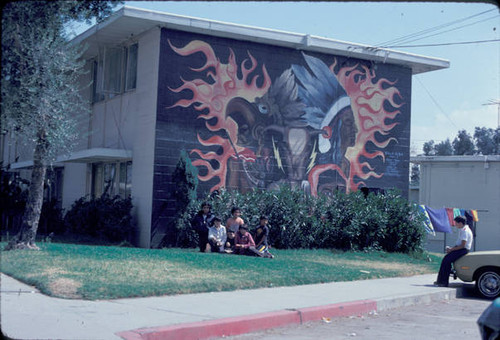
(447, 44)
(454, 29)
(436, 103)
(430, 30)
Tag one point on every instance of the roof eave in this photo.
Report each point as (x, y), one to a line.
(129, 21)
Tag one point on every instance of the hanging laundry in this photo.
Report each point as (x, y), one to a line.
(439, 219)
(428, 225)
(451, 216)
(456, 212)
(475, 215)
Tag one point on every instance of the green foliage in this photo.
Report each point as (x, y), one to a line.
(463, 144)
(444, 148)
(345, 221)
(106, 218)
(51, 218)
(185, 177)
(486, 141)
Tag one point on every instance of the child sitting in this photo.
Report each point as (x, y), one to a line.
(229, 246)
(244, 243)
(217, 236)
(261, 235)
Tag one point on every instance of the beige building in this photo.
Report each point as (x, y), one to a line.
(465, 182)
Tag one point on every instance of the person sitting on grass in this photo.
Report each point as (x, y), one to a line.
(217, 236)
(201, 222)
(461, 248)
(261, 237)
(244, 243)
(229, 246)
(235, 221)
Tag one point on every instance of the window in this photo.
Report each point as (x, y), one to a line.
(114, 71)
(131, 74)
(112, 179)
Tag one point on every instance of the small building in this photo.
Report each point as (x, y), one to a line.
(465, 182)
(253, 107)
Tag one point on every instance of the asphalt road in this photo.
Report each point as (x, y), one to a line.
(446, 319)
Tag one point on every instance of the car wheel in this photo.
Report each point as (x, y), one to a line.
(488, 283)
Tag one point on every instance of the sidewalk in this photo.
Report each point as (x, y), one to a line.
(28, 314)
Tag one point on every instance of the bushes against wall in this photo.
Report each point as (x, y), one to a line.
(345, 221)
(105, 218)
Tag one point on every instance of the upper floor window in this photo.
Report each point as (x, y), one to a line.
(114, 71)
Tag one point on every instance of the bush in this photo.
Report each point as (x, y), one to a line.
(51, 219)
(345, 221)
(106, 218)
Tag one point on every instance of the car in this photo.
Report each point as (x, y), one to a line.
(483, 267)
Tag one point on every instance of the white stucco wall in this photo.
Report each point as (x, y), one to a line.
(74, 183)
(143, 107)
(466, 182)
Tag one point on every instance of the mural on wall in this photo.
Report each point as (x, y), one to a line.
(318, 126)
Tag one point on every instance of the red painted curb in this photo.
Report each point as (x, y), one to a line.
(248, 323)
(337, 310)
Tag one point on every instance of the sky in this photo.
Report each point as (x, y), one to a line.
(443, 102)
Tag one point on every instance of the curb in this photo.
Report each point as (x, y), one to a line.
(257, 322)
(249, 323)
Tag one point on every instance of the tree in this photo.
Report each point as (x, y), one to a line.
(487, 141)
(40, 98)
(444, 148)
(429, 148)
(415, 174)
(463, 144)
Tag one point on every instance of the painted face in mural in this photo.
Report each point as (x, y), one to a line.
(288, 124)
(308, 127)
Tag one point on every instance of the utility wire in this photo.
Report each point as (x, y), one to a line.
(430, 30)
(436, 103)
(450, 30)
(447, 44)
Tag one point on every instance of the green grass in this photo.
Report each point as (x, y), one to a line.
(99, 272)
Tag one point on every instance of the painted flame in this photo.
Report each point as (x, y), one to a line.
(367, 103)
(214, 97)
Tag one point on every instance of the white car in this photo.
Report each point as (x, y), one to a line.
(483, 267)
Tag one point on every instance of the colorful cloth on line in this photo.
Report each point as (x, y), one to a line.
(439, 219)
(427, 222)
(475, 215)
(451, 216)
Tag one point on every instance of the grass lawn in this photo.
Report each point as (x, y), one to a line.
(100, 272)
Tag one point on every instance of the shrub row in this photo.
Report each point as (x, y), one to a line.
(345, 221)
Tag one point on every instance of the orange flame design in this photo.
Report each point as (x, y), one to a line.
(367, 102)
(215, 97)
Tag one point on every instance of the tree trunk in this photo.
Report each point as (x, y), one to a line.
(25, 239)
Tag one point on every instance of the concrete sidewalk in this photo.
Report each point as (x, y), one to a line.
(28, 314)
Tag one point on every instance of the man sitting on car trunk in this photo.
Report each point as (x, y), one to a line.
(462, 247)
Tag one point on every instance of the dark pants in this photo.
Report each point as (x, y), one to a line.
(445, 269)
(202, 240)
(213, 246)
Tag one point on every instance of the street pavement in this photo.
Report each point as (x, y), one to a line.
(28, 314)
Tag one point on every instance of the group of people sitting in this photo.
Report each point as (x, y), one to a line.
(234, 237)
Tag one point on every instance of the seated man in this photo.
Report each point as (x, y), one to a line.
(461, 248)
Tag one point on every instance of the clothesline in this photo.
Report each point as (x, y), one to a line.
(441, 219)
